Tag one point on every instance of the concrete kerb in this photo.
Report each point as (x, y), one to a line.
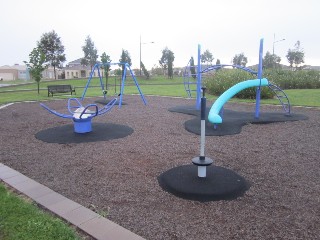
(83, 218)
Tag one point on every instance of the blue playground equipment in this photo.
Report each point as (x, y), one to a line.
(82, 115)
(258, 83)
(126, 67)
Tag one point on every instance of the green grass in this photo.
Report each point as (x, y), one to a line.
(20, 219)
(155, 86)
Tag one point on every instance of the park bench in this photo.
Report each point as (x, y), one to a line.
(53, 89)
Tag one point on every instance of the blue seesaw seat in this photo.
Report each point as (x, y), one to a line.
(82, 115)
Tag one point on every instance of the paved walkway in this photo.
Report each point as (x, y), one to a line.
(83, 218)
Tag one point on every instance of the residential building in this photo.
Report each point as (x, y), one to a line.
(11, 73)
(15, 72)
(75, 69)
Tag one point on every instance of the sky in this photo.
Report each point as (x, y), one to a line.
(225, 28)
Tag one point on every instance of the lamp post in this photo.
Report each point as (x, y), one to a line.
(274, 37)
(140, 51)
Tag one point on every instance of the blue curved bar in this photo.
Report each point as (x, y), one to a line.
(213, 116)
(218, 66)
(54, 112)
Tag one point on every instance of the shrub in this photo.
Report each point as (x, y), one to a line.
(222, 80)
(226, 78)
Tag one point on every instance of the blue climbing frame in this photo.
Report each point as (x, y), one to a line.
(218, 66)
(126, 66)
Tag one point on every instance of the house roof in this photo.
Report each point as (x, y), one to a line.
(77, 61)
(78, 67)
(14, 67)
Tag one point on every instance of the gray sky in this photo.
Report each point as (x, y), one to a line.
(225, 28)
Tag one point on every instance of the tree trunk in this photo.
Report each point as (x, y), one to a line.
(54, 72)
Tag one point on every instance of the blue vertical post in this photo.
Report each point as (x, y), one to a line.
(88, 82)
(122, 84)
(199, 85)
(258, 93)
(137, 85)
(101, 83)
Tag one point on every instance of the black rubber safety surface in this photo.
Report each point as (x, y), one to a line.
(100, 132)
(232, 120)
(219, 184)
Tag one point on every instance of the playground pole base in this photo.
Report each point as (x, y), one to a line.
(219, 184)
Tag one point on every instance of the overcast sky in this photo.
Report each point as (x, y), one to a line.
(225, 28)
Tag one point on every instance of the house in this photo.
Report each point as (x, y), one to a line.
(75, 69)
(11, 73)
(15, 72)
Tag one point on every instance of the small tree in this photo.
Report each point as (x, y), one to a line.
(145, 71)
(51, 46)
(207, 57)
(90, 53)
(105, 59)
(240, 59)
(271, 60)
(124, 58)
(218, 63)
(167, 60)
(192, 68)
(295, 56)
(36, 65)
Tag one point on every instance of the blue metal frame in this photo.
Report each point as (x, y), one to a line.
(218, 66)
(82, 124)
(126, 66)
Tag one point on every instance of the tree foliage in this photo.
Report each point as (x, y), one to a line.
(240, 59)
(124, 58)
(90, 53)
(36, 65)
(295, 56)
(207, 57)
(51, 46)
(167, 60)
(145, 71)
(271, 60)
(105, 59)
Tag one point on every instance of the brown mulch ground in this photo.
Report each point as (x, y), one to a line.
(119, 177)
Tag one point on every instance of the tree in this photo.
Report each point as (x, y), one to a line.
(36, 65)
(125, 58)
(145, 71)
(51, 46)
(295, 56)
(90, 53)
(271, 60)
(218, 63)
(240, 59)
(167, 60)
(105, 59)
(192, 68)
(207, 57)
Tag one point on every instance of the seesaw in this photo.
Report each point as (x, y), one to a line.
(82, 115)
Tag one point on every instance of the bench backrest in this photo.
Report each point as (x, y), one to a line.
(60, 88)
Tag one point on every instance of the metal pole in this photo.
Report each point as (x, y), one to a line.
(202, 161)
(140, 55)
(274, 37)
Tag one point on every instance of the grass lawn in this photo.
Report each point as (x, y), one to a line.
(20, 219)
(155, 86)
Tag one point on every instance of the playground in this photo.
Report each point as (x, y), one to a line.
(119, 176)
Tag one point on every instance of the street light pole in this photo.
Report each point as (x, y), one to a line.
(140, 52)
(274, 38)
